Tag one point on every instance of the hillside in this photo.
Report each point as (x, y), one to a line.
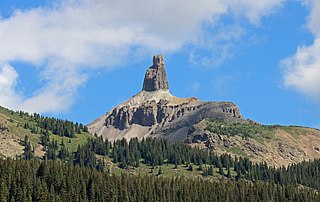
(155, 113)
(104, 164)
(55, 181)
(14, 126)
(219, 126)
(277, 145)
(214, 127)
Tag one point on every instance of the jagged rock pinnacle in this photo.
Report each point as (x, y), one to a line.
(156, 77)
(154, 112)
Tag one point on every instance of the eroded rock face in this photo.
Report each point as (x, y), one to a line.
(163, 113)
(158, 112)
(156, 77)
(154, 112)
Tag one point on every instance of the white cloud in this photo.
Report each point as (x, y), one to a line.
(314, 17)
(72, 35)
(58, 95)
(302, 70)
(8, 81)
(215, 47)
(213, 50)
(254, 10)
(55, 96)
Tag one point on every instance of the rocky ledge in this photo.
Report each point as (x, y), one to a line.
(154, 111)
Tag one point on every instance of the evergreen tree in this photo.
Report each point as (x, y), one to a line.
(221, 172)
(229, 172)
(211, 170)
(63, 153)
(35, 180)
(28, 152)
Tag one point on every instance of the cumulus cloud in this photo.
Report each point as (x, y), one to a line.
(66, 38)
(302, 70)
(213, 50)
(55, 96)
(314, 17)
(252, 9)
(8, 82)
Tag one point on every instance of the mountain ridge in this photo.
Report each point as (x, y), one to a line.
(154, 109)
(218, 126)
(155, 112)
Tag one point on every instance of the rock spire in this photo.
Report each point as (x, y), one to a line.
(156, 77)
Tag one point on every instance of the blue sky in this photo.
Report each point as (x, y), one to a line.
(76, 59)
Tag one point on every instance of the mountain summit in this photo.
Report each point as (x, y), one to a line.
(156, 77)
(155, 112)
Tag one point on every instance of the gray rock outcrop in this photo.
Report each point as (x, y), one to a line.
(156, 77)
(155, 112)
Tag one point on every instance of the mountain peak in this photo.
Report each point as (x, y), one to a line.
(155, 112)
(156, 77)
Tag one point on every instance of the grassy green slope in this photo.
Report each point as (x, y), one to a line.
(14, 131)
(275, 144)
(258, 132)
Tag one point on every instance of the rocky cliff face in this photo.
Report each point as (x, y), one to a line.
(277, 145)
(155, 112)
(156, 77)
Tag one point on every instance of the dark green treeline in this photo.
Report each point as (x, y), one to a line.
(35, 180)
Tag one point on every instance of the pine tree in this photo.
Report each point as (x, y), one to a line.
(229, 172)
(238, 175)
(63, 153)
(28, 152)
(91, 190)
(221, 172)
(206, 171)
(211, 170)
(3, 192)
(100, 165)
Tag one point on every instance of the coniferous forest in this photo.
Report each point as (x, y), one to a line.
(85, 175)
(81, 176)
(34, 180)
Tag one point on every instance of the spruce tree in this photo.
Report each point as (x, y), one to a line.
(211, 170)
(28, 152)
(229, 172)
(160, 170)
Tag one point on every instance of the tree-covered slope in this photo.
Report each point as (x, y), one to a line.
(55, 181)
(14, 126)
(92, 169)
